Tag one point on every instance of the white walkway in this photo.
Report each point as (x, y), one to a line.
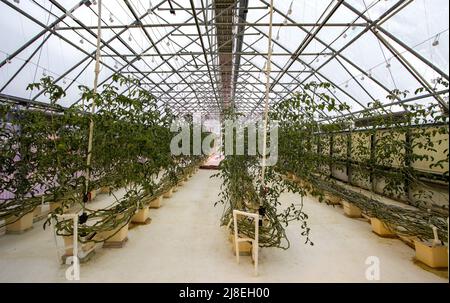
(185, 244)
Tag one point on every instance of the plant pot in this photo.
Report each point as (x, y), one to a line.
(141, 216)
(23, 224)
(332, 199)
(381, 229)
(54, 206)
(37, 211)
(434, 257)
(92, 195)
(156, 203)
(119, 239)
(105, 190)
(245, 248)
(2, 229)
(302, 183)
(169, 193)
(408, 240)
(351, 210)
(68, 245)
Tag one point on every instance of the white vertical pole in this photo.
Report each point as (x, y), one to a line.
(236, 243)
(75, 237)
(255, 243)
(96, 74)
(266, 106)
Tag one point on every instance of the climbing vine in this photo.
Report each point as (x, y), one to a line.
(48, 149)
(401, 155)
(242, 189)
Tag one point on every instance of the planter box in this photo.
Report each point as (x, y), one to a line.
(105, 190)
(118, 240)
(435, 257)
(351, 210)
(169, 193)
(332, 199)
(141, 216)
(245, 248)
(381, 229)
(37, 211)
(156, 203)
(23, 224)
(2, 229)
(92, 195)
(68, 245)
(303, 184)
(408, 240)
(55, 205)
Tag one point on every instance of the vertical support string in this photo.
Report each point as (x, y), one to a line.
(266, 106)
(96, 74)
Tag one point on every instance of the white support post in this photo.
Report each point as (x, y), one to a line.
(73, 217)
(255, 241)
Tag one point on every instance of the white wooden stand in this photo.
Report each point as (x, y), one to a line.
(255, 242)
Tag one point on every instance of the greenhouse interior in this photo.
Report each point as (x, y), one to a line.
(224, 141)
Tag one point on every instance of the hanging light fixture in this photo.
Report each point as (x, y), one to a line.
(362, 77)
(64, 81)
(388, 64)
(44, 73)
(81, 41)
(346, 84)
(436, 40)
(278, 35)
(290, 9)
(130, 38)
(150, 7)
(369, 74)
(345, 35)
(17, 1)
(111, 19)
(172, 10)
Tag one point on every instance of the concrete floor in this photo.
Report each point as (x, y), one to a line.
(185, 244)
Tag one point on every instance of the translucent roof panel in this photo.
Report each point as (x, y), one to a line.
(205, 55)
